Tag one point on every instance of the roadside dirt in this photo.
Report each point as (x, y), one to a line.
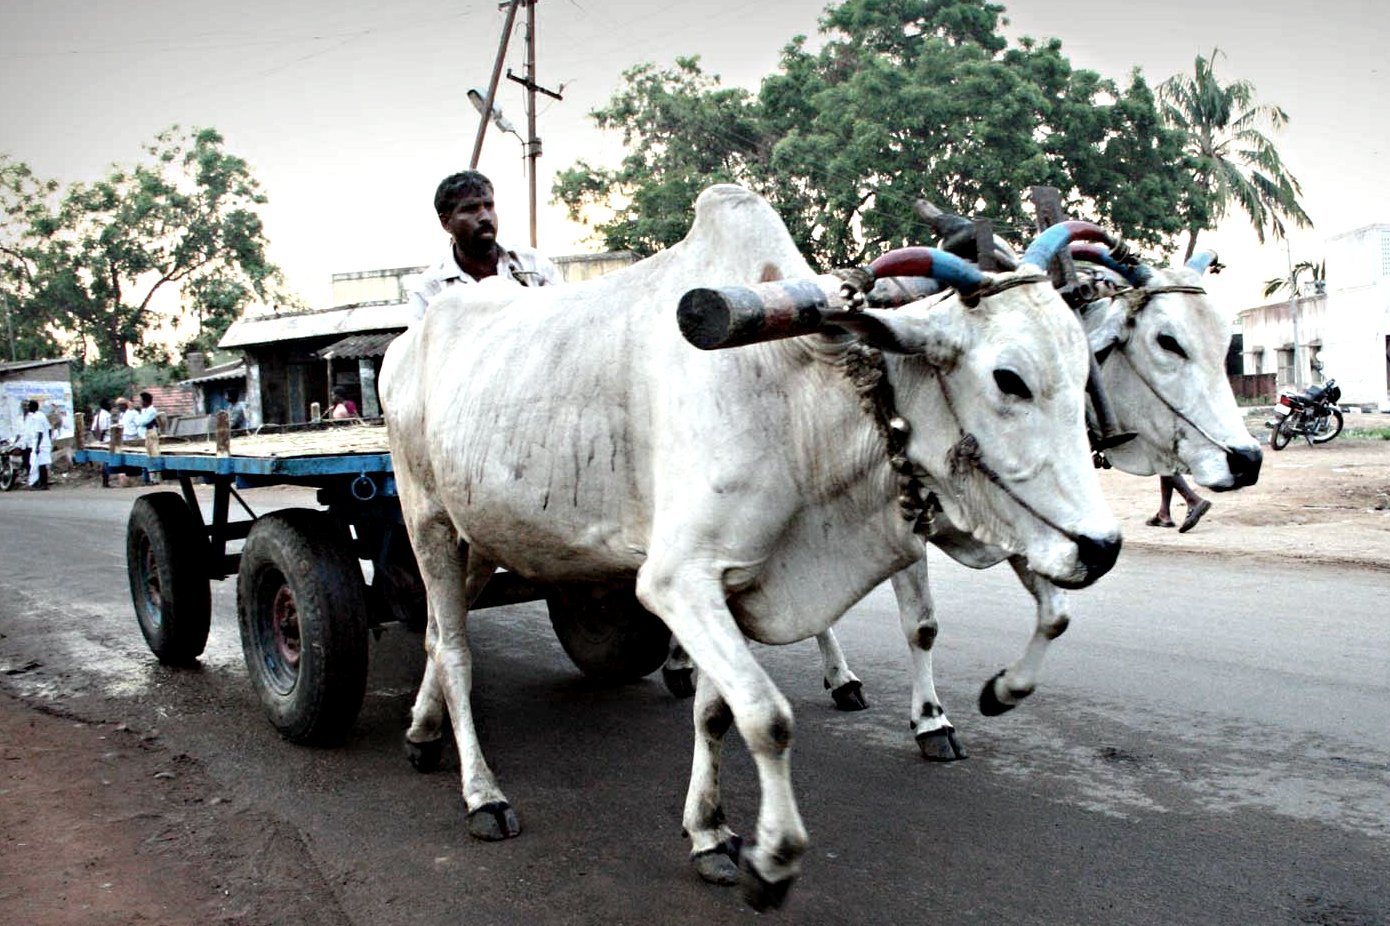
(103, 825)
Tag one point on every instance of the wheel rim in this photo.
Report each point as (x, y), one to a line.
(279, 636)
(152, 601)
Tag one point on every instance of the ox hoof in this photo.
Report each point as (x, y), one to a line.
(424, 757)
(493, 821)
(758, 892)
(680, 682)
(720, 864)
(990, 705)
(850, 697)
(940, 745)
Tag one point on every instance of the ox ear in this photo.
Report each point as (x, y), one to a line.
(1106, 322)
(933, 335)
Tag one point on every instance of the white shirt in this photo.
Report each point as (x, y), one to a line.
(144, 420)
(130, 424)
(101, 423)
(525, 265)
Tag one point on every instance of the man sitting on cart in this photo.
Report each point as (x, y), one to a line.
(464, 204)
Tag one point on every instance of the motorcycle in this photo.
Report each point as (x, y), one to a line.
(12, 469)
(1314, 414)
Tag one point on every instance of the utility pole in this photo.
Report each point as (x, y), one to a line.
(533, 144)
(1293, 315)
(486, 114)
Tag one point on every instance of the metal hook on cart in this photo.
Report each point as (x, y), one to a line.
(363, 488)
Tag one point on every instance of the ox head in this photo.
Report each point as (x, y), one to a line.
(1162, 346)
(992, 385)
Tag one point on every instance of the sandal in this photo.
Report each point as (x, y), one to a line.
(1156, 521)
(1194, 514)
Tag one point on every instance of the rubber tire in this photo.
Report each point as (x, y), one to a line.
(166, 561)
(1336, 429)
(607, 633)
(316, 700)
(9, 475)
(1281, 435)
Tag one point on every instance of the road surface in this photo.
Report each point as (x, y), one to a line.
(1209, 744)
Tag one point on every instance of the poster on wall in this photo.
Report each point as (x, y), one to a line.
(51, 396)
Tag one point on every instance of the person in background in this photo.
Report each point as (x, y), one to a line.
(236, 411)
(39, 434)
(342, 406)
(464, 205)
(146, 420)
(101, 429)
(1196, 505)
(126, 417)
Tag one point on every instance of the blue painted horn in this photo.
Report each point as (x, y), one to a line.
(1203, 261)
(940, 265)
(1136, 274)
(1045, 247)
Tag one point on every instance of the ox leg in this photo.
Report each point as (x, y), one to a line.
(844, 686)
(453, 579)
(693, 606)
(931, 728)
(714, 847)
(1004, 691)
(679, 671)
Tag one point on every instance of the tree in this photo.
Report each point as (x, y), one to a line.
(1234, 162)
(185, 218)
(1317, 272)
(23, 198)
(905, 99)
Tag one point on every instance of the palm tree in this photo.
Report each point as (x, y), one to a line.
(1234, 161)
(1317, 272)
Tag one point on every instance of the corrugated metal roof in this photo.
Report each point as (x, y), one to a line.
(268, 329)
(358, 345)
(235, 369)
(30, 364)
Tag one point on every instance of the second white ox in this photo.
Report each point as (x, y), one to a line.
(571, 434)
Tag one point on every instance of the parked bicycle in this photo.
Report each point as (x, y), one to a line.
(1314, 414)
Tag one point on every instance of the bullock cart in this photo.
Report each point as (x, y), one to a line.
(313, 583)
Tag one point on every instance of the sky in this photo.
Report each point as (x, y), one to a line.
(351, 112)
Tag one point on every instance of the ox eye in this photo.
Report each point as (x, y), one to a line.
(1010, 383)
(1171, 345)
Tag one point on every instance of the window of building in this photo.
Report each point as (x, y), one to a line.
(1285, 366)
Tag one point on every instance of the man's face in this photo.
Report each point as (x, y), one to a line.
(473, 224)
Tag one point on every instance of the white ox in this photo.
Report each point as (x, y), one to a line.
(571, 434)
(1161, 347)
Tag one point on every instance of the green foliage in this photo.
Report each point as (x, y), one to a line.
(1317, 272)
(92, 261)
(95, 382)
(1234, 163)
(906, 99)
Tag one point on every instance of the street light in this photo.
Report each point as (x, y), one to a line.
(479, 100)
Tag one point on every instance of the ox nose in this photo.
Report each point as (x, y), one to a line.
(1097, 554)
(1245, 467)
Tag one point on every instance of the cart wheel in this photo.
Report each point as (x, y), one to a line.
(607, 633)
(302, 610)
(166, 558)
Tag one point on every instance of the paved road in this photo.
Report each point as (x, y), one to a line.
(1209, 745)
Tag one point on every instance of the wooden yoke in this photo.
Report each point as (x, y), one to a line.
(732, 316)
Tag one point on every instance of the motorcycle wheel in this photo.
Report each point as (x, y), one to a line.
(1283, 432)
(9, 475)
(1334, 427)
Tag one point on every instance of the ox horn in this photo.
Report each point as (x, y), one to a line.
(1203, 261)
(1047, 244)
(1135, 273)
(929, 262)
